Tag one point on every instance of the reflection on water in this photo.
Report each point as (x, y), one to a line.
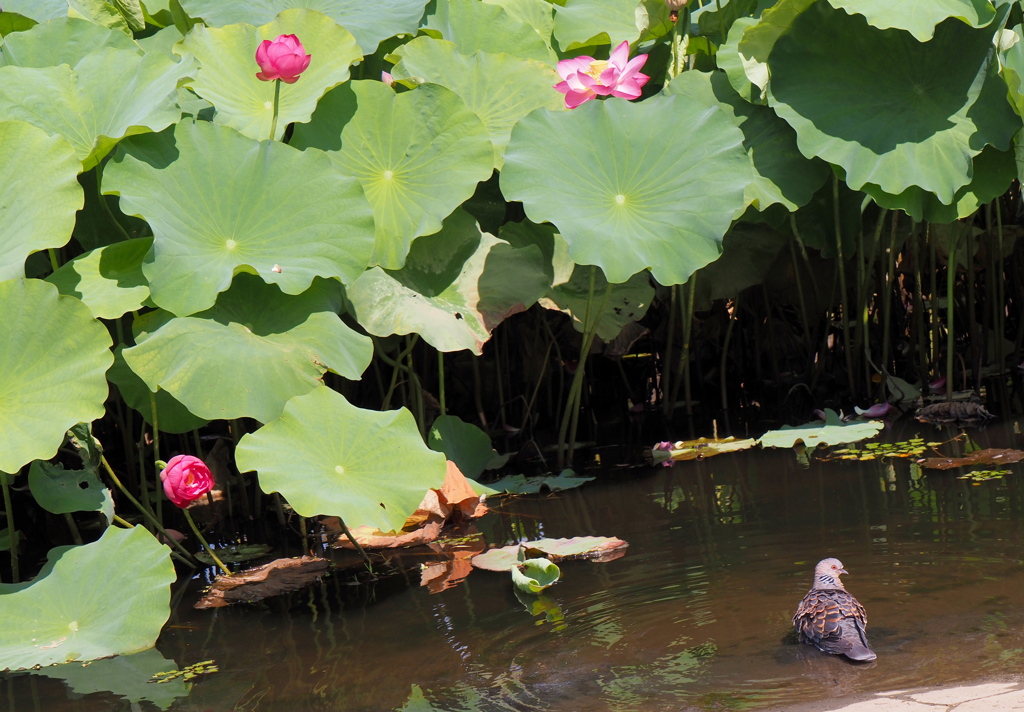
(693, 617)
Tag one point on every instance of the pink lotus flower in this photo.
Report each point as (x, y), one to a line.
(878, 410)
(283, 58)
(387, 78)
(186, 479)
(938, 385)
(585, 78)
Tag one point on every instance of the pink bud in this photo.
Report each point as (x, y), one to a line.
(186, 479)
(283, 58)
(387, 79)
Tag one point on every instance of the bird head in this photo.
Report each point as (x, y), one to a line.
(827, 573)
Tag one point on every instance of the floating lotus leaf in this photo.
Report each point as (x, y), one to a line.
(108, 280)
(65, 40)
(832, 80)
(521, 484)
(474, 25)
(622, 196)
(227, 75)
(214, 200)
(172, 416)
(369, 22)
(53, 355)
(60, 491)
(127, 676)
(39, 193)
(418, 155)
(466, 445)
(626, 302)
(919, 18)
(79, 105)
(456, 287)
(876, 451)
(269, 347)
(580, 23)
(781, 173)
(982, 475)
(45, 625)
(700, 448)
(526, 84)
(534, 575)
(833, 432)
(325, 456)
(595, 548)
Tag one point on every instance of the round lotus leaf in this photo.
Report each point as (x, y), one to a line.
(219, 202)
(418, 155)
(538, 14)
(325, 456)
(624, 196)
(58, 490)
(579, 23)
(79, 105)
(172, 416)
(474, 25)
(270, 347)
(456, 287)
(463, 443)
(227, 74)
(53, 356)
(67, 612)
(39, 194)
(108, 280)
(746, 75)
(38, 10)
(526, 84)
(369, 22)
(919, 123)
(918, 18)
(65, 40)
(626, 302)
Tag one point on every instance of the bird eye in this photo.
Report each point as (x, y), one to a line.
(833, 566)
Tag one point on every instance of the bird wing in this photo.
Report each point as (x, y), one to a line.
(821, 613)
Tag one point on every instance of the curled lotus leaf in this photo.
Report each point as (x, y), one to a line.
(534, 575)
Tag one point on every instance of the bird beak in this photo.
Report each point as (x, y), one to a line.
(844, 571)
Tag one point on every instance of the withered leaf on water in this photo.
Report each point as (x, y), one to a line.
(953, 412)
(594, 548)
(279, 576)
(990, 456)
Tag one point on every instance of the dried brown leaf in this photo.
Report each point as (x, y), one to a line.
(277, 577)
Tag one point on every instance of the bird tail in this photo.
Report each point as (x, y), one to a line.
(859, 649)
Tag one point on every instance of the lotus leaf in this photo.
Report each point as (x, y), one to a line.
(700, 448)
(61, 491)
(65, 40)
(39, 193)
(626, 303)
(597, 548)
(582, 23)
(875, 451)
(832, 81)
(521, 484)
(78, 104)
(418, 155)
(53, 355)
(456, 287)
(325, 456)
(5, 539)
(474, 25)
(108, 280)
(746, 75)
(227, 76)
(833, 432)
(988, 456)
(38, 10)
(369, 22)
(534, 575)
(212, 197)
(538, 14)
(982, 475)
(919, 18)
(526, 84)
(466, 445)
(557, 266)
(11, 22)
(171, 414)
(46, 625)
(640, 201)
(749, 252)
(269, 347)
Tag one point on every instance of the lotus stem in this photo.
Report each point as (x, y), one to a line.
(209, 549)
(54, 262)
(1000, 326)
(666, 368)
(277, 99)
(577, 379)
(12, 533)
(725, 353)
(580, 370)
(105, 206)
(800, 295)
(440, 381)
(950, 335)
(366, 557)
(73, 528)
(157, 509)
(843, 294)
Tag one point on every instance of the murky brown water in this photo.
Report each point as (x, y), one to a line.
(693, 617)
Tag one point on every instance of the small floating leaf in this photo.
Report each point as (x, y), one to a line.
(595, 548)
(521, 484)
(833, 432)
(534, 575)
(982, 475)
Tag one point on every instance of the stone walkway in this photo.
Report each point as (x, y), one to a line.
(987, 697)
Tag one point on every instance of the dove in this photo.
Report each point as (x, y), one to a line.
(830, 618)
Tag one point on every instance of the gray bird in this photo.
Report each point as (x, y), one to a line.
(830, 618)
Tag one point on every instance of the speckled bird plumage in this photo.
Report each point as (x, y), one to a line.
(830, 618)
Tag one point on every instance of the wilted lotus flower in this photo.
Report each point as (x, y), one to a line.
(283, 58)
(878, 410)
(186, 479)
(585, 78)
(675, 4)
(938, 385)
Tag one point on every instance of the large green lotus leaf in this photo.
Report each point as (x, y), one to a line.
(109, 279)
(473, 25)
(39, 194)
(227, 75)
(219, 203)
(622, 196)
(918, 18)
(833, 432)
(993, 172)
(38, 10)
(104, 13)
(369, 22)
(538, 14)
(67, 614)
(65, 40)
(59, 491)
(97, 224)
(1011, 65)
(455, 288)
(127, 676)
(269, 347)
(832, 80)
(11, 22)
(418, 155)
(53, 355)
(111, 93)
(328, 457)
(749, 251)
(627, 301)
(746, 75)
(716, 19)
(463, 443)
(172, 416)
(557, 266)
(781, 173)
(756, 42)
(525, 85)
(580, 23)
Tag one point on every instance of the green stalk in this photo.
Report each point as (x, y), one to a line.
(104, 206)
(843, 294)
(725, 354)
(950, 336)
(579, 370)
(1001, 303)
(54, 262)
(440, 380)
(209, 550)
(933, 275)
(919, 323)
(890, 278)
(277, 99)
(685, 356)
(157, 508)
(366, 557)
(11, 531)
(75, 535)
(666, 368)
(577, 380)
